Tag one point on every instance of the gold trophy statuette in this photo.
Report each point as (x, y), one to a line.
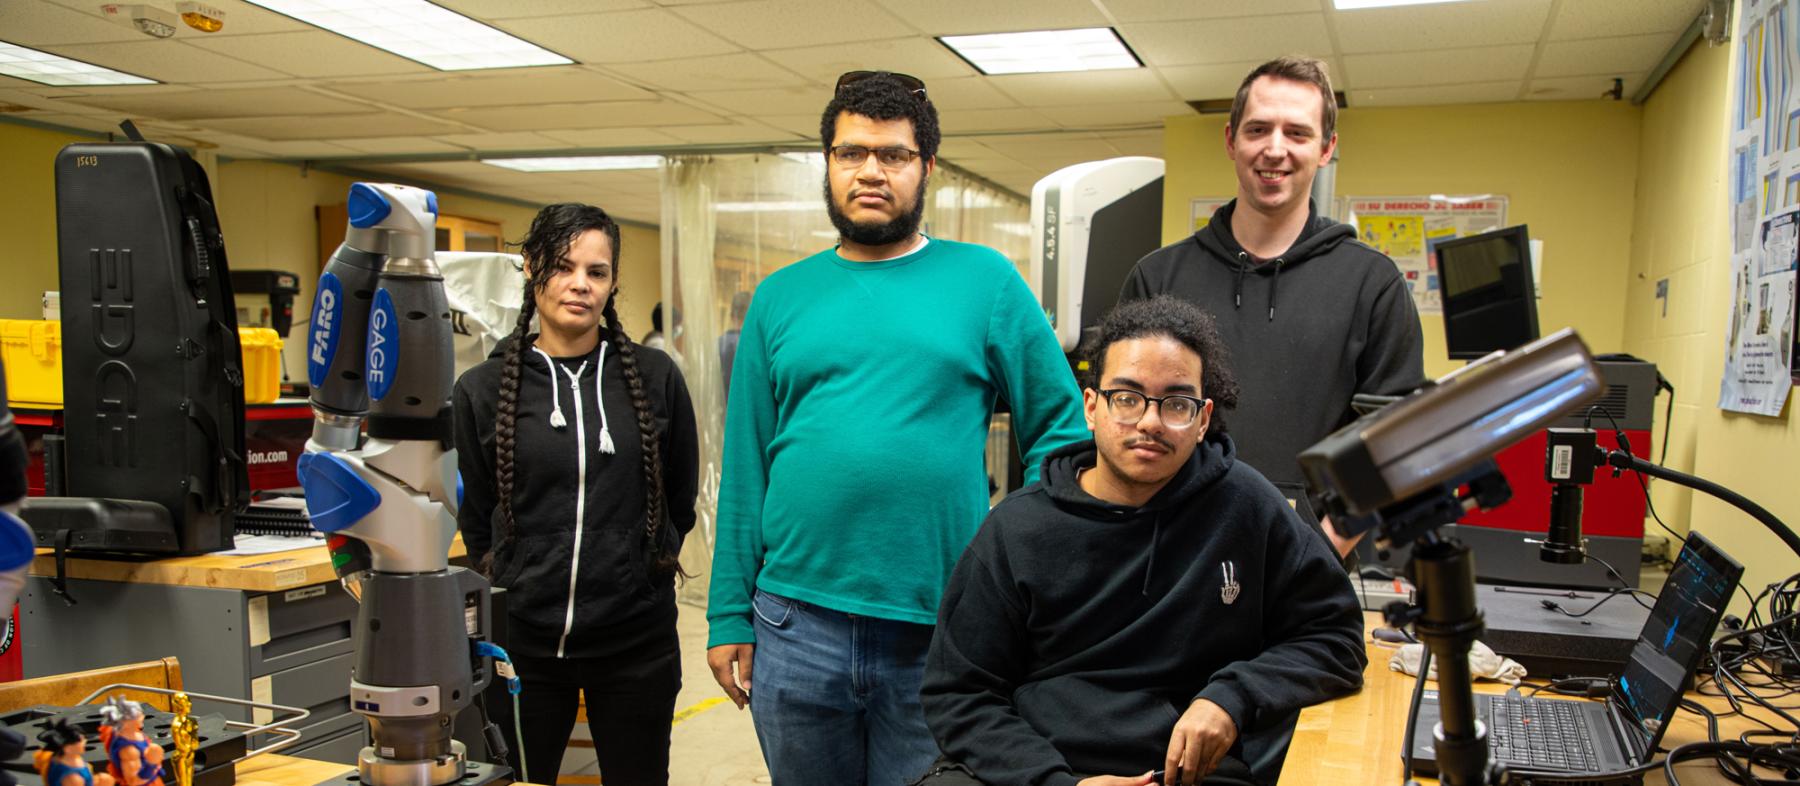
(186, 733)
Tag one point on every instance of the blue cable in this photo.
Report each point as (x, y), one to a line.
(489, 649)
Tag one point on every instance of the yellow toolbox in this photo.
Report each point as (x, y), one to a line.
(262, 364)
(33, 354)
(32, 349)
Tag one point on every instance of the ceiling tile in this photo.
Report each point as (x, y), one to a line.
(620, 37)
(806, 125)
(783, 100)
(950, 17)
(1579, 88)
(1103, 115)
(1083, 87)
(312, 54)
(300, 127)
(518, 140)
(1603, 18)
(168, 61)
(613, 137)
(37, 24)
(282, 148)
(241, 18)
(974, 92)
(736, 133)
(1442, 26)
(967, 120)
(609, 114)
(919, 56)
(397, 145)
(511, 87)
(710, 73)
(780, 24)
(513, 9)
(1476, 93)
(1145, 144)
(1227, 40)
(1221, 80)
(1611, 56)
(201, 104)
(965, 147)
(1173, 10)
(1439, 67)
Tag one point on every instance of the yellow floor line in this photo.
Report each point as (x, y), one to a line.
(697, 709)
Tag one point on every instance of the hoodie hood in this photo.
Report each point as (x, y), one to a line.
(1319, 237)
(1207, 466)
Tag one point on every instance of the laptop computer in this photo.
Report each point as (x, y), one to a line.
(1560, 736)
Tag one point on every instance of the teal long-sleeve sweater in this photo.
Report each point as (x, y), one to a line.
(854, 442)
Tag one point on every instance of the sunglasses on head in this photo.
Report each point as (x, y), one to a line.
(912, 84)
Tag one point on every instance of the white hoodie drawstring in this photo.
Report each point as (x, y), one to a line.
(557, 420)
(606, 440)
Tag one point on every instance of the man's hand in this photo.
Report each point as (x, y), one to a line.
(1340, 544)
(722, 659)
(1117, 780)
(1201, 738)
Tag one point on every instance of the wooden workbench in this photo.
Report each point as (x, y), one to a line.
(253, 573)
(1358, 738)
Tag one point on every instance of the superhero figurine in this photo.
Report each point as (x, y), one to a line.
(135, 760)
(60, 762)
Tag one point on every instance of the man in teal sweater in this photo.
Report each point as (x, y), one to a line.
(853, 479)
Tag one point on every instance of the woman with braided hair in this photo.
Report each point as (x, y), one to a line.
(578, 514)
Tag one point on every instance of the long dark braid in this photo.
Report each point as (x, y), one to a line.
(654, 502)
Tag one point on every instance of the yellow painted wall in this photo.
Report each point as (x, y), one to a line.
(1682, 236)
(1567, 167)
(267, 213)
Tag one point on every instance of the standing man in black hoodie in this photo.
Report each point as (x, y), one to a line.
(1148, 605)
(1312, 315)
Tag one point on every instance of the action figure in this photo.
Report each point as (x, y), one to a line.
(136, 761)
(60, 762)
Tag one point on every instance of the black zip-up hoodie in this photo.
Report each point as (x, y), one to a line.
(1075, 632)
(1307, 330)
(614, 603)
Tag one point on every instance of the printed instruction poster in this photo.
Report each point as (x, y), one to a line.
(1764, 209)
(1406, 227)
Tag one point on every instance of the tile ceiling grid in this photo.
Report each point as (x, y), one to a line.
(662, 74)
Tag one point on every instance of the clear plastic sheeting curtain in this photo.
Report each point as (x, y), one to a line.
(729, 221)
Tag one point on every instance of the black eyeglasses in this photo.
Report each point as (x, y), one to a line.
(912, 84)
(1128, 407)
(890, 158)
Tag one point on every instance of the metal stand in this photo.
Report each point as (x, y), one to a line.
(1449, 623)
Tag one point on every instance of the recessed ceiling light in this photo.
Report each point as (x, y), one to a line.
(1043, 51)
(1353, 5)
(48, 69)
(575, 163)
(418, 30)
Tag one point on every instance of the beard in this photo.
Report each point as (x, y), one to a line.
(884, 233)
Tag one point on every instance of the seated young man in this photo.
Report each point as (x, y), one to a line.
(1149, 602)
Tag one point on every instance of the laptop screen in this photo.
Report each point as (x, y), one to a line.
(1674, 638)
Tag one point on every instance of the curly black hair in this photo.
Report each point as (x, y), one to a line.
(1165, 315)
(882, 97)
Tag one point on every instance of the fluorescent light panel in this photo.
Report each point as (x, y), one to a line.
(1044, 51)
(418, 30)
(575, 163)
(1354, 5)
(48, 69)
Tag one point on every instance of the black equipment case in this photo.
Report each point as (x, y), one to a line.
(153, 383)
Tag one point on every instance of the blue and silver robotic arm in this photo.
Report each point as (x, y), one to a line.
(379, 353)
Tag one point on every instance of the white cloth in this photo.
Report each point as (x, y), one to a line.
(1483, 662)
(484, 290)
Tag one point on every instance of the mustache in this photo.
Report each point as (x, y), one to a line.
(1150, 440)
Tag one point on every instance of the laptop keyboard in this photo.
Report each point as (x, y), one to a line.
(1540, 734)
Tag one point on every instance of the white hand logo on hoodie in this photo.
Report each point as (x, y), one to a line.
(1229, 591)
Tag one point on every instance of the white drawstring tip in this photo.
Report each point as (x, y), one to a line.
(557, 420)
(606, 443)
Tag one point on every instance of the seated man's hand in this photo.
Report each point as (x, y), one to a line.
(1117, 780)
(1200, 740)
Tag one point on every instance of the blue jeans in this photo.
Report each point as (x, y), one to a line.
(835, 696)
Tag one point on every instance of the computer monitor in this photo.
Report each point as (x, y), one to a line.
(1489, 299)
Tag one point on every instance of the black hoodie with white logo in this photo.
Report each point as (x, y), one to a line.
(577, 574)
(1075, 632)
(1307, 330)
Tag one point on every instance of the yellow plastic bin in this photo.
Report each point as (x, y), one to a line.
(33, 352)
(262, 364)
